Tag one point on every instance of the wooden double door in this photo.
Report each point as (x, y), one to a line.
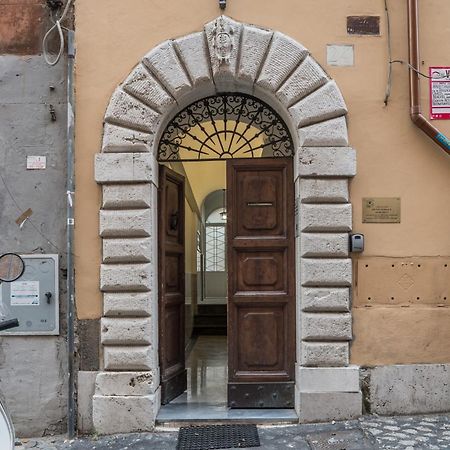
(261, 283)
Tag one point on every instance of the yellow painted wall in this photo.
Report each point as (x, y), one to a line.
(205, 177)
(394, 158)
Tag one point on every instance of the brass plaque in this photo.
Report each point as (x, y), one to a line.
(381, 210)
(363, 25)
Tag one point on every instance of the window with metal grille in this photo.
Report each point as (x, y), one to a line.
(215, 242)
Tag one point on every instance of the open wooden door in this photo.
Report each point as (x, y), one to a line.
(171, 284)
(261, 283)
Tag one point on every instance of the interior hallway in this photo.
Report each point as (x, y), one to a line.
(206, 395)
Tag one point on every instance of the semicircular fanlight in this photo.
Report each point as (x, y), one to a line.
(225, 126)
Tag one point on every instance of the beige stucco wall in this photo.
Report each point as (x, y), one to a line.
(394, 158)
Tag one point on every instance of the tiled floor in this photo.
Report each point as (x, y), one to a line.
(206, 396)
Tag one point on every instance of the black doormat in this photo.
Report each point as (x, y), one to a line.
(217, 436)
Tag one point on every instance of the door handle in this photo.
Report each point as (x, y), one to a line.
(173, 221)
(259, 203)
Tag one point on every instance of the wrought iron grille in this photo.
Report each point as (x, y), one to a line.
(225, 126)
(215, 248)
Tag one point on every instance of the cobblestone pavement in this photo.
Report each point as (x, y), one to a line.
(367, 433)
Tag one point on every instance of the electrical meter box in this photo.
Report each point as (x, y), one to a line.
(33, 298)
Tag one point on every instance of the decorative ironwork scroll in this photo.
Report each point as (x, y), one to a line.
(225, 126)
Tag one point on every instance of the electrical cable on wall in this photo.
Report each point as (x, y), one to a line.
(394, 61)
(59, 28)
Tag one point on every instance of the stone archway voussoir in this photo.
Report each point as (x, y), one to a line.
(194, 56)
(324, 103)
(118, 139)
(283, 57)
(127, 111)
(308, 77)
(144, 86)
(165, 64)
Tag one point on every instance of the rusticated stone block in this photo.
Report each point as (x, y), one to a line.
(324, 245)
(323, 354)
(253, 48)
(330, 133)
(130, 196)
(314, 190)
(194, 53)
(328, 406)
(326, 326)
(308, 77)
(125, 414)
(130, 250)
(125, 223)
(127, 383)
(123, 109)
(326, 162)
(329, 379)
(326, 217)
(326, 272)
(141, 84)
(130, 304)
(325, 299)
(126, 277)
(164, 63)
(118, 139)
(129, 358)
(125, 331)
(284, 54)
(123, 168)
(325, 103)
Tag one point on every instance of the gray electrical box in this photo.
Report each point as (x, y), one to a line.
(357, 243)
(34, 298)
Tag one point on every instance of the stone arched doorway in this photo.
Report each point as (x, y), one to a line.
(226, 56)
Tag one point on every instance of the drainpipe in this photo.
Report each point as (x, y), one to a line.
(70, 185)
(416, 114)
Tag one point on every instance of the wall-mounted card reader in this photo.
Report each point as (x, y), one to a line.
(33, 298)
(357, 243)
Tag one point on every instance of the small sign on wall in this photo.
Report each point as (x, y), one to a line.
(381, 210)
(340, 55)
(440, 93)
(36, 162)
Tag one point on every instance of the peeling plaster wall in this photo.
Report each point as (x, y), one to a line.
(33, 369)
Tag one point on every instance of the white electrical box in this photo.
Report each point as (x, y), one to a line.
(33, 298)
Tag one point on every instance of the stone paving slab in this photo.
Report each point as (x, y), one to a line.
(368, 433)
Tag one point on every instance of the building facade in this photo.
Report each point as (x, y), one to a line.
(333, 332)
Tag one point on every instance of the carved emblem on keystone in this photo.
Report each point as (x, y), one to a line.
(223, 41)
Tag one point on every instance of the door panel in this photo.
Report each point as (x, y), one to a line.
(261, 287)
(171, 284)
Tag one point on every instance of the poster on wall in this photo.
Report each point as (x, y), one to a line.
(440, 93)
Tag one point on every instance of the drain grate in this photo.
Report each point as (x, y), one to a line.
(217, 436)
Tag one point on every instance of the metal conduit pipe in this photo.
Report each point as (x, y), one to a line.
(71, 413)
(416, 114)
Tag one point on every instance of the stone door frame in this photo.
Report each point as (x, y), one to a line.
(227, 56)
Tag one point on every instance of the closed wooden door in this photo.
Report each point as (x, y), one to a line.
(171, 284)
(261, 283)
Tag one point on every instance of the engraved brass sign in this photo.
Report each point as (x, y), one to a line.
(381, 210)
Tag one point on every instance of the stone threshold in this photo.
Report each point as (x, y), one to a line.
(197, 413)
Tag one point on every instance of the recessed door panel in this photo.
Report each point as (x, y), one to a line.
(260, 271)
(260, 351)
(260, 203)
(261, 286)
